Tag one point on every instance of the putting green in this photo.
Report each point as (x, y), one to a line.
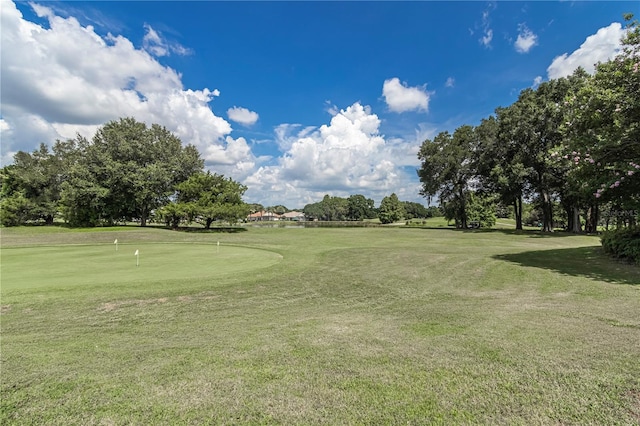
(73, 265)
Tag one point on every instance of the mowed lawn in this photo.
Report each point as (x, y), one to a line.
(316, 326)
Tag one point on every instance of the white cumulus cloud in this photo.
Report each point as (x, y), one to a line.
(65, 79)
(232, 158)
(242, 116)
(598, 47)
(526, 40)
(401, 98)
(347, 156)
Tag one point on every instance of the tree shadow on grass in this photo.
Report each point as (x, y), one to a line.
(590, 262)
(212, 230)
(531, 233)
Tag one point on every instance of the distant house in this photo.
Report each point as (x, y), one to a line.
(293, 215)
(263, 216)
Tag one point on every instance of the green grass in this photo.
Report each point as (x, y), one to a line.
(97, 265)
(321, 326)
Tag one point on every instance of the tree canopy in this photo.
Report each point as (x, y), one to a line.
(571, 143)
(391, 209)
(126, 172)
(205, 198)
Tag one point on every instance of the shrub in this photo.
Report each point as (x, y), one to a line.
(623, 243)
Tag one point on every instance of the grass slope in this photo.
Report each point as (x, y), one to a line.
(348, 326)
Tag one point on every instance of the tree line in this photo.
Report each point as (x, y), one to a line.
(357, 208)
(571, 147)
(126, 172)
(129, 172)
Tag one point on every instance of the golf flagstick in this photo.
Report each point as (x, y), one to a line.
(137, 255)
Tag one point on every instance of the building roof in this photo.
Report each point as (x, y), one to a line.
(292, 214)
(263, 214)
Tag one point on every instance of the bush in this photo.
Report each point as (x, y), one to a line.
(623, 243)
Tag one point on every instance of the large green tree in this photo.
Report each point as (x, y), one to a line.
(448, 168)
(207, 197)
(391, 209)
(32, 185)
(534, 127)
(604, 128)
(500, 161)
(126, 172)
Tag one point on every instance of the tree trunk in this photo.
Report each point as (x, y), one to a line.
(575, 215)
(517, 207)
(591, 225)
(547, 212)
(463, 210)
(208, 223)
(143, 218)
(588, 220)
(568, 212)
(175, 222)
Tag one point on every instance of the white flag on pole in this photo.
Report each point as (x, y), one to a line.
(116, 241)
(136, 253)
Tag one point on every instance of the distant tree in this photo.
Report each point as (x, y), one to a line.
(330, 208)
(278, 209)
(391, 209)
(359, 208)
(434, 211)
(335, 207)
(313, 211)
(415, 210)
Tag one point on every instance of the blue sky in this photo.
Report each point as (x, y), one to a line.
(293, 99)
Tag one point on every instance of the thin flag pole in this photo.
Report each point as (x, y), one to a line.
(218, 248)
(116, 243)
(137, 254)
